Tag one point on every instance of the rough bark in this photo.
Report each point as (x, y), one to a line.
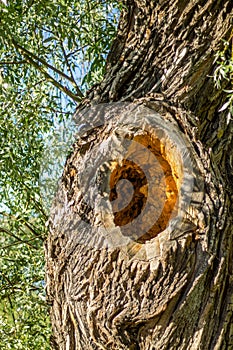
(170, 287)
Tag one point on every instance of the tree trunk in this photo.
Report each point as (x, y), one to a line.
(140, 250)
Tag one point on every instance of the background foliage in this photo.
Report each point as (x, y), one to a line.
(224, 71)
(50, 53)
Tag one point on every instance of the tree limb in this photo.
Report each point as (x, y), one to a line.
(30, 58)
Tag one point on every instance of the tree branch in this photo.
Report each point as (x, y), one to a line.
(68, 64)
(22, 242)
(3, 63)
(19, 240)
(30, 58)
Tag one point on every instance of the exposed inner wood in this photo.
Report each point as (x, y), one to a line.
(166, 183)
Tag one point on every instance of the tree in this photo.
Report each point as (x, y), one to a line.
(131, 310)
(169, 287)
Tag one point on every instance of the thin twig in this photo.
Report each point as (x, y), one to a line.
(12, 309)
(67, 63)
(19, 240)
(3, 63)
(77, 50)
(32, 229)
(22, 242)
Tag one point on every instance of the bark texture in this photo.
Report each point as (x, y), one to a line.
(170, 287)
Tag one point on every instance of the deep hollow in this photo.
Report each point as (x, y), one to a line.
(155, 179)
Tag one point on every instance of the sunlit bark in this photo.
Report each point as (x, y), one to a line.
(170, 287)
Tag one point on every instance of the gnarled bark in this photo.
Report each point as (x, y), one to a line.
(165, 283)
